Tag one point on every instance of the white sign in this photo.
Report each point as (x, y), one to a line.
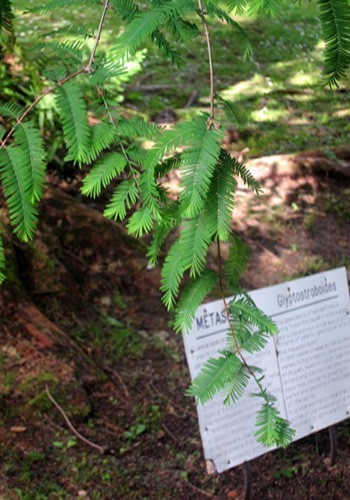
(306, 366)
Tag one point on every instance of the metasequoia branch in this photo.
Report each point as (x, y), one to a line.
(210, 58)
(84, 69)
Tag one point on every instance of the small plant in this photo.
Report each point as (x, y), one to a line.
(134, 431)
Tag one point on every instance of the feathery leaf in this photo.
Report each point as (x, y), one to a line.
(237, 260)
(335, 20)
(144, 24)
(198, 164)
(235, 388)
(214, 10)
(53, 5)
(169, 219)
(124, 196)
(103, 135)
(68, 51)
(233, 113)
(141, 222)
(105, 70)
(73, 113)
(273, 430)
(101, 174)
(137, 127)
(191, 298)
(172, 273)
(125, 8)
(195, 239)
(29, 140)
(259, 7)
(242, 172)
(246, 308)
(6, 16)
(17, 185)
(11, 110)
(220, 202)
(238, 7)
(214, 377)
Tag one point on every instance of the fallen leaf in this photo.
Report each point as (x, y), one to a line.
(18, 428)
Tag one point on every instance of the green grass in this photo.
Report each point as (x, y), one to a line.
(279, 89)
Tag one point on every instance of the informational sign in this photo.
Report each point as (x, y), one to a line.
(306, 366)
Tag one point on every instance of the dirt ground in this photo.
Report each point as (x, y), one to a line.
(81, 316)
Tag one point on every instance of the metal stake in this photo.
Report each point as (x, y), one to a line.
(248, 480)
(334, 447)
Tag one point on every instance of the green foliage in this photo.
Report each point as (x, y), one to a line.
(241, 171)
(103, 136)
(6, 16)
(18, 188)
(141, 222)
(195, 240)
(28, 138)
(233, 113)
(214, 10)
(245, 308)
(191, 299)
(172, 273)
(125, 195)
(198, 165)
(335, 19)
(220, 202)
(145, 25)
(273, 430)
(51, 6)
(74, 118)
(103, 173)
(10, 110)
(215, 376)
(70, 52)
(237, 261)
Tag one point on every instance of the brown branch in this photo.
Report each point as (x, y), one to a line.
(211, 66)
(70, 426)
(98, 37)
(84, 69)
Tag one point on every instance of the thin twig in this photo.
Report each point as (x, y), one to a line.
(121, 382)
(168, 431)
(198, 490)
(211, 66)
(70, 426)
(98, 36)
(83, 69)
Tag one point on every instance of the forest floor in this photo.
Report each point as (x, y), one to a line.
(81, 314)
